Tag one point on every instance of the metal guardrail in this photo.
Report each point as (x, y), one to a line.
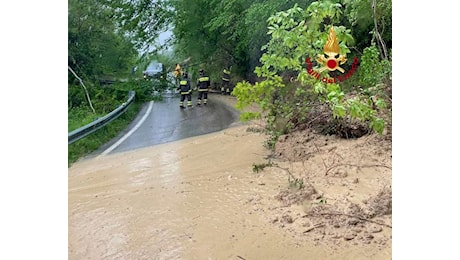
(99, 123)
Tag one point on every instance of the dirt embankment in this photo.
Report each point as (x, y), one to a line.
(338, 191)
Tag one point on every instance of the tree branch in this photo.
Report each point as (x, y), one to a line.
(84, 87)
(378, 36)
(347, 215)
(354, 165)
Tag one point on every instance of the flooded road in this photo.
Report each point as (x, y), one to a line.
(163, 121)
(181, 200)
(196, 198)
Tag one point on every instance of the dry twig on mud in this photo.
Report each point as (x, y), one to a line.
(313, 227)
(347, 215)
(322, 115)
(319, 153)
(289, 172)
(259, 124)
(354, 165)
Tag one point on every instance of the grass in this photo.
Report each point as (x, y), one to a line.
(260, 167)
(93, 141)
(79, 117)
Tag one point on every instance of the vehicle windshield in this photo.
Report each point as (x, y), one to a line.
(155, 67)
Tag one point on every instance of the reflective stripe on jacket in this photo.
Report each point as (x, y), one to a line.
(184, 86)
(203, 83)
(226, 76)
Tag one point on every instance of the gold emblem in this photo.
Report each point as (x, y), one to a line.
(332, 50)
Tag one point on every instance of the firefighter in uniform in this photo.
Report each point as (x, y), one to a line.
(185, 91)
(203, 87)
(225, 88)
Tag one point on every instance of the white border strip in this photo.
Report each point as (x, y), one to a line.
(115, 145)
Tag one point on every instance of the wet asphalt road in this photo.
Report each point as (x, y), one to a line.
(163, 121)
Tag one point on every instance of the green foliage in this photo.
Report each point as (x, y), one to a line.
(142, 21)
(295, 34)
(80, 116)
(105, 100)
(295, 183)
(260, 167)
(144, 88)
(96, 50)
(273, 138)
(95, 47)
(265, 42)
(218, 33)
(321, 200)
(373, 71)
(255, 130)
(359, 14)
(92, 142)
(103, 39)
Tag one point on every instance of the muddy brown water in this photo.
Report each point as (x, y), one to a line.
(182, 200)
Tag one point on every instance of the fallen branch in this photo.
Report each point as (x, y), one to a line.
(347, 215)
(183, 191)
(319, 152)
(354, 165)
(313, 227)
(289, 172)
(324, 114)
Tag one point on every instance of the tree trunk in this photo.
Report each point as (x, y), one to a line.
(84, 87)
(383, 48)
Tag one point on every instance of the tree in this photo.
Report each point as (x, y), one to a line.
(142, 21)
(95, 49)
(94, 46)
(371, 22)
(84, 88)
(287, 92)
(218, 34)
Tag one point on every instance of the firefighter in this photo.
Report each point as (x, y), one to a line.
(185, 91)
(203, 87)
(225, 88)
